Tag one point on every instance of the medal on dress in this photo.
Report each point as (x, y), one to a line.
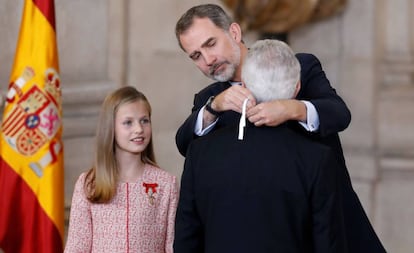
(150, 190)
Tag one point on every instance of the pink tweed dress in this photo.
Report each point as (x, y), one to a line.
(139, 219)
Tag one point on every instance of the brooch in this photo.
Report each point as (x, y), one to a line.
(150, 190)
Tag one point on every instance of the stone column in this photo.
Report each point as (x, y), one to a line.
(395, 120)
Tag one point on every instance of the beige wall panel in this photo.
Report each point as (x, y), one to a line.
(10, 16)
(82, 39)
(76, 161)
(358, 82)
(395, 213)
(396, 121)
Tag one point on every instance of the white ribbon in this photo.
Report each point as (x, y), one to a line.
(242, 122)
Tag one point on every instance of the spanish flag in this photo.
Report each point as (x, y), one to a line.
(31, 150)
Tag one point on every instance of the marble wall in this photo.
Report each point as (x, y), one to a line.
(367, 53)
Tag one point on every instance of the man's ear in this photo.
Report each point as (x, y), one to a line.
(235, 32)
(297, 89)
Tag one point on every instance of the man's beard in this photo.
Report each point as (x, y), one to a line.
(224, 75)
(229, 70)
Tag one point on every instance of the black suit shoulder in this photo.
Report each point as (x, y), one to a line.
(211, 90)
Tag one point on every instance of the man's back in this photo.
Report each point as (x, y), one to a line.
(273, 191)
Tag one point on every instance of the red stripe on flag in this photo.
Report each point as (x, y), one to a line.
(14, 121)
(24, 226)
(47, 7)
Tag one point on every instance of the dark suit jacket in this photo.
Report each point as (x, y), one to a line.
(334, 116)
(274, 191)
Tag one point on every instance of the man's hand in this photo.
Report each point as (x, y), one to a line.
(276, 112)
(232, 99)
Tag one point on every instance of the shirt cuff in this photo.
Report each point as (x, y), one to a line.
(312, 117)
(199, 124)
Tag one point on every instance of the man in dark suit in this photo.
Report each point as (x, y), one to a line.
(214, 43)
(268, 189)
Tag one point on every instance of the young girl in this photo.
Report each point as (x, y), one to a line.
(125, 203)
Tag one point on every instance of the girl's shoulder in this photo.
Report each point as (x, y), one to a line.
(79, 188)
(82, 177)
(156, 173)
(81, 181)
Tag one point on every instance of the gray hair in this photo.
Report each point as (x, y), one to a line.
(211, 11)
(271, 70)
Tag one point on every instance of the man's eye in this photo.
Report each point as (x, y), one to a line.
(211, 43)
(195, 56)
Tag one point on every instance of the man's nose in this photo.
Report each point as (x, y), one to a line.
(209, 58)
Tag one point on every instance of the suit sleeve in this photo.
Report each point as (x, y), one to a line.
(328, 223)
(185, 134)
(188, 227)
(334, 115)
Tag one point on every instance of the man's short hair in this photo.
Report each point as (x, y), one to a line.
(211, 11)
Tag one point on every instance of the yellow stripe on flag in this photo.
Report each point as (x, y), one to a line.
(30, 141)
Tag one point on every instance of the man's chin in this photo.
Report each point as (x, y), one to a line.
(221, 78)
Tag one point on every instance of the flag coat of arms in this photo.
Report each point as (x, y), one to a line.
(31, 150)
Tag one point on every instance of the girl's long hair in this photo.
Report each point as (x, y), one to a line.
(101, 180)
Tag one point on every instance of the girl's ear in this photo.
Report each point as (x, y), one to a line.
(235, 32)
